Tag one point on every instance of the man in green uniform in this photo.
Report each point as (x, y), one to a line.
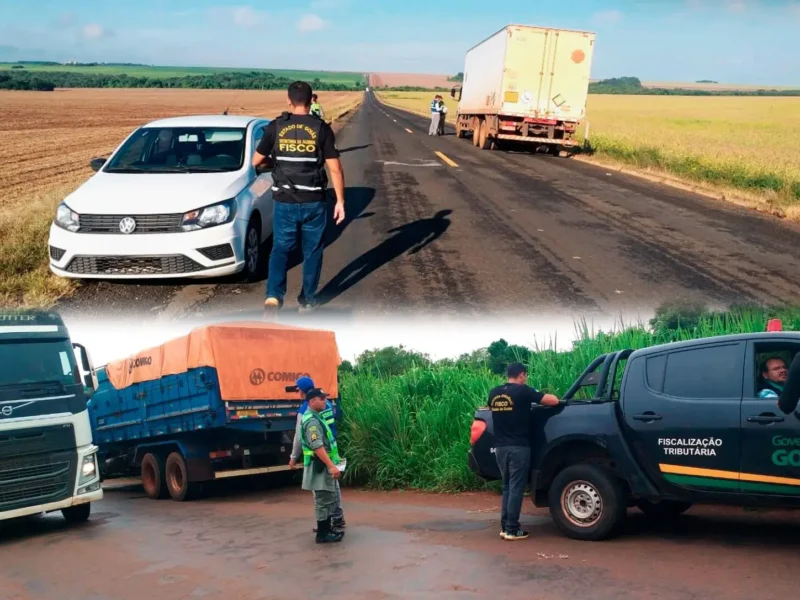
(320, 470)
(316, 107)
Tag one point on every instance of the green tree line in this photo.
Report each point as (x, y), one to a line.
(253, 80)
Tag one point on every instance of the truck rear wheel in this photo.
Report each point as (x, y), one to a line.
(178, 484)
(587, 502)
(77, 514)
(477, 124)
(484, 141)
(153, 480)
(459, 130)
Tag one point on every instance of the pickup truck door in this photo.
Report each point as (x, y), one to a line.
(770, 462)
(682, 411)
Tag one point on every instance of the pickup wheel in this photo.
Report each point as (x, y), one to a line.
(178, 484)
(664, 509)
(77, 514)
(153, 479)
(587, 502)
(253, 255)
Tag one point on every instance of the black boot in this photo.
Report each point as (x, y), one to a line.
(324, 533)
(338, 524)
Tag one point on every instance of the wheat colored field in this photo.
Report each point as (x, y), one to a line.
(47, 140)
(750, 144)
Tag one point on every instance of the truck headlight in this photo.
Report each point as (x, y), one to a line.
(209, 216)
(88, 468)
(66, 218)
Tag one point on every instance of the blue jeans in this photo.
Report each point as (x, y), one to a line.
(290, 221)
(515, 465)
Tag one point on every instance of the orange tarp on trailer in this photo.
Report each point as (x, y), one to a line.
(254, 361)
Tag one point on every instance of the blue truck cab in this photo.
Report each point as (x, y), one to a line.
(179, 430)
(660, 429)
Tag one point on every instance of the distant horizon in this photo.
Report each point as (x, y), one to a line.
(651, 83)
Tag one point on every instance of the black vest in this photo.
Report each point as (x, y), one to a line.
(297, 156)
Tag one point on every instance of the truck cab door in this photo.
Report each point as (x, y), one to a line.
(770, 460)
(682, 408)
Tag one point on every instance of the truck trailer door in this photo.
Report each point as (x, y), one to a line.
(682, 409)
(770, 462)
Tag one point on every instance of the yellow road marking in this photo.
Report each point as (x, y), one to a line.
(408, 130)
(678, 470)
(445, 159)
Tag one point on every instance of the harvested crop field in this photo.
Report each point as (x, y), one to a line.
(47, 140)
(748, 145)
(379, 80)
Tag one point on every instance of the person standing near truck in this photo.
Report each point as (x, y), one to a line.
(442, 115)
(316, 107)
(511, 405)
(436, 114)
(320, 470)
(304, 386)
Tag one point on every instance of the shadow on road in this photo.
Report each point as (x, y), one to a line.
(354, 148)
(409, 238)
(754, 529)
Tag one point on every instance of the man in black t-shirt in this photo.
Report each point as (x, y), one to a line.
(511, 405)
(298, 147)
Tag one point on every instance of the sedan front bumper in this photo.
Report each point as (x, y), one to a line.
(209, 252)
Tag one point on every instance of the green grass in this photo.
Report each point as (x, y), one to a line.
(166, 72)
(412, 430)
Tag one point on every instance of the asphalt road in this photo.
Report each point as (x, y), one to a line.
(499, 232)
(249, 544)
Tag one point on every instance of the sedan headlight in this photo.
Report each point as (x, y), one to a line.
(66, 218)
(210, 216)
(88, 468)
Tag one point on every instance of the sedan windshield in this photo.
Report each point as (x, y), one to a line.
(180, 150)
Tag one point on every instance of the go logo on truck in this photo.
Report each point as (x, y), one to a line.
(787, 453)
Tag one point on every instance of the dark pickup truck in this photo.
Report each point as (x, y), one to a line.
(661, 429)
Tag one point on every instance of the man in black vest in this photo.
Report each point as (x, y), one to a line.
(298, 146)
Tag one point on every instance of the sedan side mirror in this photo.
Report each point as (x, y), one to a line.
(97, 163)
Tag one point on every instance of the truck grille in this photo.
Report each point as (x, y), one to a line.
(220, 252)
(133, 265)
(168, 223)
(36, 479)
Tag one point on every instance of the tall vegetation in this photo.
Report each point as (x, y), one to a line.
(407, 418)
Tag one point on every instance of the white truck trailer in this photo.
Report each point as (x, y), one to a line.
(525, 84)
(47, 459)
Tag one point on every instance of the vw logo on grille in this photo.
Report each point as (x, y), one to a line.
(127, 225)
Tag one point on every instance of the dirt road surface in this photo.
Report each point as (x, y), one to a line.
(245, 544)
(502, 231)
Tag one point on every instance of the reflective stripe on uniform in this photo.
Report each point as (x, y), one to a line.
(296, 159)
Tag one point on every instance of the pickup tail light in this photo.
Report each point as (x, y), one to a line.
(476, 431)
(774, 325)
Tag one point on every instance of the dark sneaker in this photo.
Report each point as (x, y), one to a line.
(515, 535)
(339, 523)
(326, 535)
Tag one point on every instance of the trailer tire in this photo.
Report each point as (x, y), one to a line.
(587, 502)
(78, 513)
(153, 479)
(476, 131)
(484, 141)
(177, 475)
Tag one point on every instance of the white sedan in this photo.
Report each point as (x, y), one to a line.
(178, 198)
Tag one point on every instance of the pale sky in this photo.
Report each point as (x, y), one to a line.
(731, 41)
(442, 337)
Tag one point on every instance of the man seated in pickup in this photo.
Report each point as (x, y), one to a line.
(774, 373)
(511, 405)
